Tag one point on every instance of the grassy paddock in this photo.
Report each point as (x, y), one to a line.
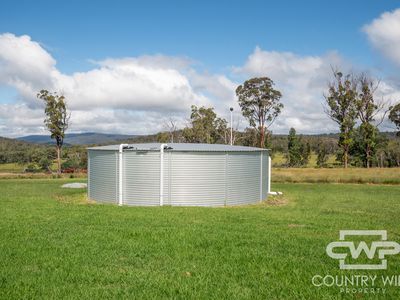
(279, 160)
(11, 168)
(282, 175)
(337, 175)
(53, 244)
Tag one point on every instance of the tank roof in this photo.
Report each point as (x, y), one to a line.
(181, 147)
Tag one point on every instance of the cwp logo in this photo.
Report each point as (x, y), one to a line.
(341, 249)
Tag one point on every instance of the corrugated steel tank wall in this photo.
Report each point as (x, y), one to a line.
(103, 176)
(141, 178)
(190, 178)
(197, 178)
(243, 178)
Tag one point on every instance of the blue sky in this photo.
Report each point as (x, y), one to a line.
(216, 33)
(215, 36)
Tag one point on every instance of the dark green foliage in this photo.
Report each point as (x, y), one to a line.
(260, 104)
(163, 137)
(394, 116)
(71, 163)
(75, 158)
(367, 108)
(299, 152)
(293, 154)
(56, 120)
(206, 127)
(388, 152)
(305, 153)
(45, 164)
(365, 141)
(250, 137)
(341, 107)
(322, 151)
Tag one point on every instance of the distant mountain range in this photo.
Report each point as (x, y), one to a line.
(86, 138)
(91, 138)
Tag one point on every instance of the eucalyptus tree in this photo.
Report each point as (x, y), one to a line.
(205, 126)
(368, 109)
(394, 116)
(56, 119)
(341, 107)
(260, 104)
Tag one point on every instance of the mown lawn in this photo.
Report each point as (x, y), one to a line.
(55, 245)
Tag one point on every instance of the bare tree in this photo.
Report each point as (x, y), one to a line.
(172, 125)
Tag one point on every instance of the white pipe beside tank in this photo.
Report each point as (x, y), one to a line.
(120, 167)
(162, 146)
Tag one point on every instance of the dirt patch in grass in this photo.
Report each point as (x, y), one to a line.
(296, 225)
(277, 201)
(73, 199)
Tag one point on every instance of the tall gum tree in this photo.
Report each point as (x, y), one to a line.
(368, 108)
(260, 104)
(56, 120)
(394, 116)
(341, 107)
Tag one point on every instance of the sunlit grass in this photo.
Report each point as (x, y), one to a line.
(279, 160)
(53, 244)
(337, 175)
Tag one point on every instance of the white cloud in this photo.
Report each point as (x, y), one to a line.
(135, 95)
(129, 85)
(143, 90)
(302, 81)
(384, 34)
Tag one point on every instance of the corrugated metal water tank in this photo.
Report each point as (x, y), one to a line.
(190, 175)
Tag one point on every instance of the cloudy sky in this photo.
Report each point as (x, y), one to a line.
(127, 67)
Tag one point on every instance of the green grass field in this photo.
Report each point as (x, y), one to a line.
(337, 175)
(53, 244)
(279, 160)
(11, 168)
(14, 168)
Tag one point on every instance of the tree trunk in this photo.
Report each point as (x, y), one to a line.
(345, 157)
(262, 137)
(367, 156)
(58, 160)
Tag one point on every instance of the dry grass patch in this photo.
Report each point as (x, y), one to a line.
(351, 175)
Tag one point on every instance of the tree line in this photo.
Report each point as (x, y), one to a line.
(350, 101)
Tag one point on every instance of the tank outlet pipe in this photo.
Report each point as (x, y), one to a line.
(120, 167)
(269, 179)
(162, 146)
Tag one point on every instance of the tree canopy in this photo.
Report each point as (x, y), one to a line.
(341, 108)
(205, 127)
(56, 119)
(394, 116)
(260, 104)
